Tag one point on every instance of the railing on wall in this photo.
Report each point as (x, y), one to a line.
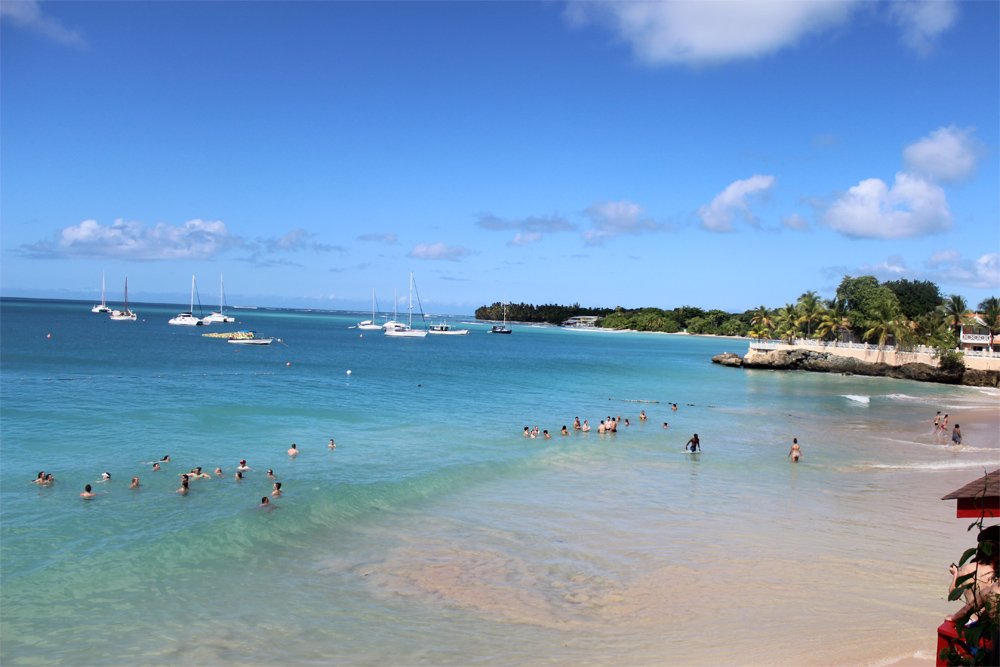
(920, 350)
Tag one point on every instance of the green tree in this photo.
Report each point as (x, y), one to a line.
(810, 309)
(956, 313)
(916, 297)
(991, 316)
(762, 316)
(888, 321)
(787, 322)
(760, 332)
(834, 320)
(734, 326)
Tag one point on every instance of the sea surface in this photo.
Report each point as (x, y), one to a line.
(436, 533)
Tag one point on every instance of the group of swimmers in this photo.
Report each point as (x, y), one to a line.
(195, 473)
(610, 425)
(941, 428)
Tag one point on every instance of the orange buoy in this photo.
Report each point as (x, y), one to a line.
(49, 336)
(288, 363)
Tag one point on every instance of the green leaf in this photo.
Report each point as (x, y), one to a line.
(973, 525)
(973, 634)
(959, 581)
(955, 594)
(987, 547)
(969, 553)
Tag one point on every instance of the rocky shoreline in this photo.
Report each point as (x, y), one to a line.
(824, 362)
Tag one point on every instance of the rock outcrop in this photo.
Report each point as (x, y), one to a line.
(824, 362)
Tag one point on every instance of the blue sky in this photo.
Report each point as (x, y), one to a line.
(722, 155)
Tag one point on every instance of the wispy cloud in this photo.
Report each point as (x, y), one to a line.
(946, 155)
(387, 239)
(437, 251)
(28, 14)
(732, 202)
(946, 267)
(610, 219)
(795, 222)
(529, 230)
(297, 240)
(525, 238)
(195, 239)
(717, 31)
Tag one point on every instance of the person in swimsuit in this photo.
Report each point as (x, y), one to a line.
(156, 467)
(265, 502)
(185, 486)
(665, 425)
(277, 489)
(576, 423)
(135, 483)
(564, 431)
(937, 422)
(601, 428)
(218, 471)
(527, 432)
(105, 477)
(956, 436)
(642, 416)
(243, 465)
(331, 445)
(536, 432)
(87, 493)
(795, 453)
(586, 427)
(546, 434)
(198, 473)
(270, 474)
(239, 476)
(49, 479)
(39, 479)
(694, 444)
(944, 425)
(293, 451)
(674, 407)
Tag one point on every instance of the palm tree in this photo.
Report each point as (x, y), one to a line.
(888, 321)
(759, 332)
(991, 317)
(833, 320)
(788, 322)
(762, 316)
(810, 310)
(957, 313)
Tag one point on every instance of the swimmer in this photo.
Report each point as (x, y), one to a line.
(331, 445)
(239, 476)
(642, 416)
(105, 477)
(197, 473)
(243, 465)
(665, 425)
(184, 486)
(135, 483)
(87, 493)
(674, 407)
(627, 421)
(270, 473)
(547, 436)
(601, 428)
(564, 431)
(694, 443)
(576, 423)
(586, 427)
(527, 432)
(218, 471)
(277, 489)
(264, 502)
(937, 421)
(294, 450)
(38, 480)
(165, 459)
(795, 453)
(156, 467)
(944, 425)
(536, 432)
(49, 479)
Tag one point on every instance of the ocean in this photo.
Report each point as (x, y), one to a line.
(436, 533)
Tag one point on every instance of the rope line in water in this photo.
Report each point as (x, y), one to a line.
(131, 377)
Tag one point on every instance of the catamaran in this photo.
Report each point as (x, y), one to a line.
(103, 308)
(502, 329)
(124, 315)
(371, 325)
(221, 315)
(407, 330)
(188, 318)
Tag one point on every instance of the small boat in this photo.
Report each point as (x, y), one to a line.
(446, 330)
(502, 329)
(188, 318)
(124, 315)
(251, 341)
(371, 325)
(103, 308)
(220, 316)
(407, 330)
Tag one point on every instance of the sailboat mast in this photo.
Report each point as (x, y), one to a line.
(222, 292)
(103, 302)
(410, 324)
(192, 295)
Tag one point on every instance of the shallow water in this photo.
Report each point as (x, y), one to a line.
(436, 533)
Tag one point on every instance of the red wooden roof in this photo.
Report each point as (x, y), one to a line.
(979, 497)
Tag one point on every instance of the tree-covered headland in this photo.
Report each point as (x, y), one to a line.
(902, 312)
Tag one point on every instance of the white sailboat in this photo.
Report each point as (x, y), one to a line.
(221, 315)
(407, 330)
(371, 325)
(124, 315)
(103, 308)
(188, 318)
(503, 328)
(393, 323)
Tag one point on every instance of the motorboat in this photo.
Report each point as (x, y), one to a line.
(188, 318)
(446, 330)
(251, 341)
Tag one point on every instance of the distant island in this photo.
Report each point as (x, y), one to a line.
(904, 313)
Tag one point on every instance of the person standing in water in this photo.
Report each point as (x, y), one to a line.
(694, 444)
(88, 493)
(795, 453)
(293, 451)
(642, 416)
(937, 422)
(331, 445)
(586, 426)
(956, 436)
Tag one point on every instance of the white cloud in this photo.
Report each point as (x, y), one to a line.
(195, 239)
(28, 14)
(523, 239)
(295, 241)
(709, 31)
(718, 216)
(387, 239)
(912, 207)
(609, 219)
(945, 267)
(716, 31)
(795, 222)
(946, 155)
(439, 250)
(923, 21)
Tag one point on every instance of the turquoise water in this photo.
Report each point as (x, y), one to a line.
(435, 533)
